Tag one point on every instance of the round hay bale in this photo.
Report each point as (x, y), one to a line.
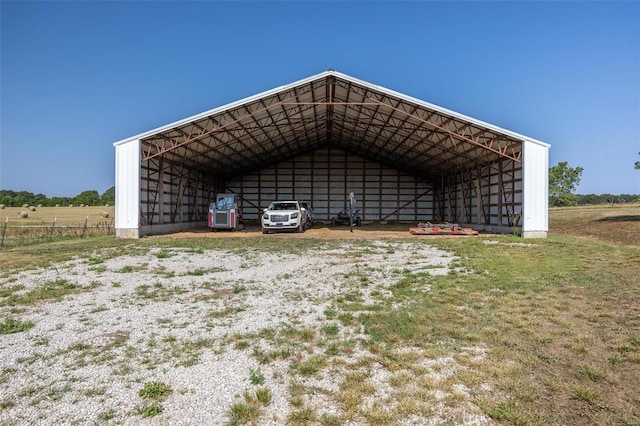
(39, 205)
(23, 215)
(24, 206)
(106, 205)
(57, 205)
(81, 205)
(104, 214)
(70, 205)
(1, 206)
(32, 208)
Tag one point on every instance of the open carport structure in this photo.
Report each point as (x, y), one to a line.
(319, 139)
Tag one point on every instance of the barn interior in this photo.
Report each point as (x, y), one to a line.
(323, 137)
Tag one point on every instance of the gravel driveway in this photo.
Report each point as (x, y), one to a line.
(217, 329)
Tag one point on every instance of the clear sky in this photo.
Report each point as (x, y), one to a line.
(78, 76)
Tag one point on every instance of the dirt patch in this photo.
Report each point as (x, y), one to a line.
(372, 231)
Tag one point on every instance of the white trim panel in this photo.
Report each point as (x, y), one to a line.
(128, 189)
(535, 208)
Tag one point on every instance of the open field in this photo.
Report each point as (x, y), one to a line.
(327, 327)
(617, 224)
(51, 222)
(63, 215)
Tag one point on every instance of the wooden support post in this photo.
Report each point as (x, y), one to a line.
(4, 230)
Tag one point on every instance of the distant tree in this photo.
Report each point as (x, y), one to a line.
(590, 199)
(562, 183)
(88, 198)
(638, 164)
(61, 201)
(109, 196)
(17, 199)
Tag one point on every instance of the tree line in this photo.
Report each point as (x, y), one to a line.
(563, 181)
(88, 198)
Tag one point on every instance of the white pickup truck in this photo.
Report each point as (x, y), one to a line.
(284, 215)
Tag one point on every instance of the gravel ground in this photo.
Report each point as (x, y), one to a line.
(198, 321)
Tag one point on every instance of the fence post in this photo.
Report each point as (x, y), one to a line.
(52, 226)
(109, 227)
(84, 228)
(3, 231)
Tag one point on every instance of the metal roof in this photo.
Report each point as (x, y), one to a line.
(336, 110)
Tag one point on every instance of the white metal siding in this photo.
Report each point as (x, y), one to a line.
(128, 186)
(535, 209)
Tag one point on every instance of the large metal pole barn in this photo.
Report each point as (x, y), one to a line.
(321, 138)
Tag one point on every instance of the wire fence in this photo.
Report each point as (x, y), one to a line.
(15, 235)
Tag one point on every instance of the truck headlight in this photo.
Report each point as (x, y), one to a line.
(294, 216)
(265, 216)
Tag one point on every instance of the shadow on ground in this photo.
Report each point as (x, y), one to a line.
(624, 218)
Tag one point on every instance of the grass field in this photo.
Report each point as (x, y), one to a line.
(63, 215)
(46, 223)
(558, 319)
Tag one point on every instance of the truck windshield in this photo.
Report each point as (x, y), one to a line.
(283, 206)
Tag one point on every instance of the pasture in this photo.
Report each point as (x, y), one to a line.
(45, 223)
(512, 332)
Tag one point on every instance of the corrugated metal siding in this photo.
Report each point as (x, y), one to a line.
(170, 193)
(536, 188)
(326, 177)
(128, 185)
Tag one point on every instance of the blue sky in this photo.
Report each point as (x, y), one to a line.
(78, 76)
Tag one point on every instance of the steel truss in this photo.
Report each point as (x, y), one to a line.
(475, 171)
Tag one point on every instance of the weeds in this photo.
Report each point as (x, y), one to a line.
(50, 291)
(149, 409)
(155, 390)
(249, 410)
(11, 326)
(152, 393)
(256, 377)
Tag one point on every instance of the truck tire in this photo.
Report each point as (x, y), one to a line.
(265, 231)
(358, 221)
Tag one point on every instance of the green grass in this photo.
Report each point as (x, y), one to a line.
(256, 376)
(149, 409)
(244, 413)
(311, 365)
(11, 326)
(158, 391)
(49, 291)
(556, 320)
